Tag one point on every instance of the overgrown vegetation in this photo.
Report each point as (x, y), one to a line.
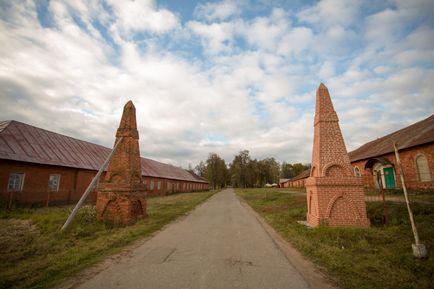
(35, 254)
(245, 172)
(377, 257)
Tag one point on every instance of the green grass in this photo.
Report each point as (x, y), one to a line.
(35, 254)
(377, 257)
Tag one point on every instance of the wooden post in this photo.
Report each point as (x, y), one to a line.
(419, 250)
(47, 203)
(11, 198)
(380, 185)
(89, 188)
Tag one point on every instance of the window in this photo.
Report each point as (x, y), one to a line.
(357, 172)
(53, 183)
(159, 185)
(177, 186)
(16, 182)
(422, 167)
(152, 185)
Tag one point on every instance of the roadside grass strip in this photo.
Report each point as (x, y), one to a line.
(362, 258)
(35, 254)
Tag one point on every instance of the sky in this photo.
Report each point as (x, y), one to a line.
(216, 76)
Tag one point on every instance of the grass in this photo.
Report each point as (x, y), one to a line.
(35, 254)
(377, 257)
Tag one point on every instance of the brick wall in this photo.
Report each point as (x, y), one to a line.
(408, 161)
(73, 183)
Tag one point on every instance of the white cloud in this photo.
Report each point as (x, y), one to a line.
(296, 40)
(330, 13)
(251, 85)
(266, 32)
(215, 37)
(142, 16)
(218, 11)
(327, 70)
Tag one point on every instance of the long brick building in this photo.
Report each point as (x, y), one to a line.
(295, 182)
(40, 166)
(375, 161)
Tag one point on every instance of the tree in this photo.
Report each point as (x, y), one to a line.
(200, 169)
(239, 170)
(216, 171)
(286, 171)
(269, 171)
(298, 168)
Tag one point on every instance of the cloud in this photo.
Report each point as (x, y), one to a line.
(265, 32)
(229, 78)
(218, 11)
(141, 16)
(327, 13)
(215, 37)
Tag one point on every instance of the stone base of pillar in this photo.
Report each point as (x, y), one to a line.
(336, 202)
(120, 208)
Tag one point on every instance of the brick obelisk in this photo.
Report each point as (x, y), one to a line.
(121, 196)
(335, 197)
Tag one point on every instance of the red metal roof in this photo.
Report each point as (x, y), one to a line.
(419, 133)
(26, 143)
(304, 174)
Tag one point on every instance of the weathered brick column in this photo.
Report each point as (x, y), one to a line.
(335, 197)
(121, 197)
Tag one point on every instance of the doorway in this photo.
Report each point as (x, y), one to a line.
(389, 177)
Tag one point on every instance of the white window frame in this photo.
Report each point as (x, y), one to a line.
(151, 186)
(357, 172)
(21, 177)
(50, 189)
(419, 173)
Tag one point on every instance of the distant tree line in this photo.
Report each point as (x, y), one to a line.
(245, 172)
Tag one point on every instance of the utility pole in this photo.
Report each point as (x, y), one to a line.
(419, 250)
(92, 184)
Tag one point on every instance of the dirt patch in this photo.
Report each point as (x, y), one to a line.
(16, 230)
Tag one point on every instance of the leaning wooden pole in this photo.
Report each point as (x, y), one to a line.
(419, 250)
(90, 187)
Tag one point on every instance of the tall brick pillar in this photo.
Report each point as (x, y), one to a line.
(121, 197)
(335, 197)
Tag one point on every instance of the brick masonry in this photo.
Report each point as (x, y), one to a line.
(73, 183)
(335, 197)
(408, 161)
(121, 197)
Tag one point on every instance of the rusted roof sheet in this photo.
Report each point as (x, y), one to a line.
(26, 143)
(419, 133)
(304, 174)
(197, 177)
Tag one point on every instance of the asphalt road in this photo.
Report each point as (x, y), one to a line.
(219, 245)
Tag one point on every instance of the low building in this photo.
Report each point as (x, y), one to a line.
(40, 166)
(375, 161)
(295, 182)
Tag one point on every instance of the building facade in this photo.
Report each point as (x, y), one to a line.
(375, 161)
(40, 166)
(295, 182)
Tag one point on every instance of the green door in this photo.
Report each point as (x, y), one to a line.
(389, 177)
